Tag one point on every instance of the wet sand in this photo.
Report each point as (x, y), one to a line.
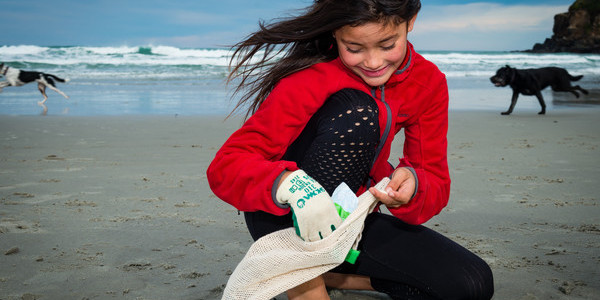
(107, 207)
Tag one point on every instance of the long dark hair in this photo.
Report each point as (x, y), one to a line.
(292, 44)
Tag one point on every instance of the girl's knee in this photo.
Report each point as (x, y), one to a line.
(487, 282)
(350, 115)
(479, 282)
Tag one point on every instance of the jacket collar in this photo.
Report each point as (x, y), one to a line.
(404, 70)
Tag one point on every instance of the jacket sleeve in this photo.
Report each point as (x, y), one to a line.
(246, 166)
(425, 150)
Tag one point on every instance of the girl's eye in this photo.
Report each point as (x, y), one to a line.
(352, 50)
(389, 47)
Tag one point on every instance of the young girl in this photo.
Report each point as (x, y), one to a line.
(326, 93)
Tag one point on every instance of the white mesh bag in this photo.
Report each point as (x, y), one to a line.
(282, 260)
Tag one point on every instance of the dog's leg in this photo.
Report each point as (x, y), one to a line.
(46, 84)
(42, 88)
(581, 89)
(44, 108)
(567, 87)
(574, 92)
(542, 103)
(58, 91)
(513, 101)
(4, 84)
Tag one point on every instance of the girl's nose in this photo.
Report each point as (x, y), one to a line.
(373, 60)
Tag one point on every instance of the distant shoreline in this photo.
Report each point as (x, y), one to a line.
(169, 80)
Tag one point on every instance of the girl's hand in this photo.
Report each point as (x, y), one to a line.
(315, 215)
(399, 191)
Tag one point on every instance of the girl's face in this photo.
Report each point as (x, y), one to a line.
(373, 51)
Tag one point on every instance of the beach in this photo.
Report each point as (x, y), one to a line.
(118, 207)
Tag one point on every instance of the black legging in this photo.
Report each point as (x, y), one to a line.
(403, 261)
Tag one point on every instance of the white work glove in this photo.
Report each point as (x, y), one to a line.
(314, 213)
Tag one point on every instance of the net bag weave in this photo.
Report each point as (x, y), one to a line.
(282, 260)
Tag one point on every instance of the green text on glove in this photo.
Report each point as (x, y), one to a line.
(306, 184)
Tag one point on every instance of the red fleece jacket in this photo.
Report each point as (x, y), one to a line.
(245, 168)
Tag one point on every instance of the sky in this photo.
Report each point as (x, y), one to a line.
(454, 25)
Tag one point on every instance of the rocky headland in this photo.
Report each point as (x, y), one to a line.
(577, 30)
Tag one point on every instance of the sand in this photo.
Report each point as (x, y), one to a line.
(118, 207)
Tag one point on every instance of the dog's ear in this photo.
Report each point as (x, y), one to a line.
(508, 67)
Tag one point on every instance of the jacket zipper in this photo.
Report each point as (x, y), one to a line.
(388, 127)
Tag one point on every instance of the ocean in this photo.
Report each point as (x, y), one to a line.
(164, 80)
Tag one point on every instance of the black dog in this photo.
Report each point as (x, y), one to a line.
(532, 81)
(16, 77)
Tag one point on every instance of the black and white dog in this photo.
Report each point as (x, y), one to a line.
(531, 82)
(16, 77)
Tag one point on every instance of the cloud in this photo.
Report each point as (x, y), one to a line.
(483, 26)
(207, 40)
(194, 18)
(487, 17)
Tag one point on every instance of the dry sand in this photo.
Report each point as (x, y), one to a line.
(119, 207)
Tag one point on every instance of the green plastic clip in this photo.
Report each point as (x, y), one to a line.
(352, 256)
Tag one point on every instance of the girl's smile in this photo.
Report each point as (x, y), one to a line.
(377, 73)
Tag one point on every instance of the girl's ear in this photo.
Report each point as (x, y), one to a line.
(411, 23)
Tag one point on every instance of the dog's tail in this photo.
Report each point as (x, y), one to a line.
(58, 78)
(575, 78)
